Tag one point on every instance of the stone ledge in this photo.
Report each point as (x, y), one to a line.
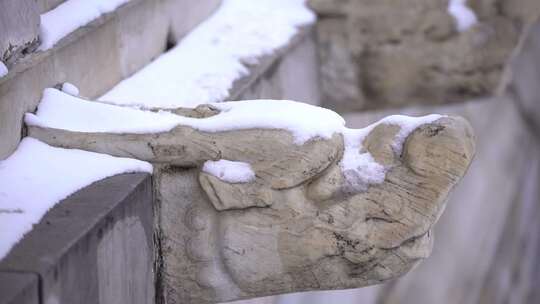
(95, 246)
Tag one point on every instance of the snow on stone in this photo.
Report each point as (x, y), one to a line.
(358, 166)
(464, 15)
(302, 120)
(229, 171)
(62, 111)
(37, 176)
(204, 65)
(70, 88)
(71, 15)
(3, 69)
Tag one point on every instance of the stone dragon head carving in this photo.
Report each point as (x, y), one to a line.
(331, 209)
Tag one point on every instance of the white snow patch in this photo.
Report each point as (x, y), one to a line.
(62, 111)
(3, 69)
(71, 15)
(229, 171)
(464, 15)
(204, 65)
(59, 110)
(358, 165)
(70, 88)
(37, 176)
(305, 122)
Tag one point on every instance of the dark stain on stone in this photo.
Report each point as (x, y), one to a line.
(432, 131)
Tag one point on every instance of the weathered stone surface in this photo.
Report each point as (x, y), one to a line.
(94, 247)
(283, 241)
(269, 151)
(18, 288)
(19, 28)
(378, 54)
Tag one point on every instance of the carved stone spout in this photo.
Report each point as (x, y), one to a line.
(248, 212)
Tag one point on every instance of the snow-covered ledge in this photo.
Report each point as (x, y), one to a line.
(263, 197)
(51, 174)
